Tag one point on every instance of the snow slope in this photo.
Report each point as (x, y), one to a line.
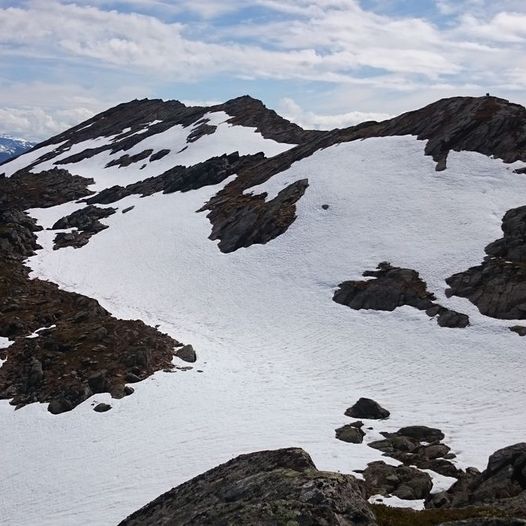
(279, 361)
(227, 138)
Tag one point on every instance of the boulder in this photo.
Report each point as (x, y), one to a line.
(102, 408)
(367, 408)
(350, 433)
(187, 354)
(266, 488)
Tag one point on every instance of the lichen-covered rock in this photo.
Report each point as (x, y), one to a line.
(267, 488)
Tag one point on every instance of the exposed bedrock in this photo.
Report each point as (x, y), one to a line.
(267, 488)
(498, 285)
(393, 287)
(502, 484)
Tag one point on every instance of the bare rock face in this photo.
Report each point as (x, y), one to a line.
(502, 484)
(267, 488)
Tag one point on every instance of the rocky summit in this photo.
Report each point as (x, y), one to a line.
(181, 284)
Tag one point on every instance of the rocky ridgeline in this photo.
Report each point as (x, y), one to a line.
(79, 349)
(393, 287)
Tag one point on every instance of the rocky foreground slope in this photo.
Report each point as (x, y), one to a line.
(284, 488)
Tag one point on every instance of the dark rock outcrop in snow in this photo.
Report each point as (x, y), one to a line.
(267, 488)
(502, 484)
(394, 287)
(367, 408)
(498, 286)
(87, 223)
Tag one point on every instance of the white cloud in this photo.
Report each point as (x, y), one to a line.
(380, 62)
(292, 111)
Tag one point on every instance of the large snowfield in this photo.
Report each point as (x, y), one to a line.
(278, 360)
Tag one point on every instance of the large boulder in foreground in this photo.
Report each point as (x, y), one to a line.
(267, 488)
(501, 485)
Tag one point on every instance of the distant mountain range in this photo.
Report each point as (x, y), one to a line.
(13, 146)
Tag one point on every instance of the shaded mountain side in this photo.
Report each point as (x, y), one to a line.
(80, 348)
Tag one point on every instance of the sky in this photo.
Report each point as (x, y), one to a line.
(321, 63)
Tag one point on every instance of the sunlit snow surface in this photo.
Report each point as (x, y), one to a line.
(281, 361)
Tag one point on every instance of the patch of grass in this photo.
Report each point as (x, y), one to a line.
(388, 516)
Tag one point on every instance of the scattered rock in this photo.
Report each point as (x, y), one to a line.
(367, 408)
(59, 405)
(128, 209)
(102, 408)
(325, 207)
(350, 433)
(187, 354)
(401, 481)
(519, 329)
(280, 487)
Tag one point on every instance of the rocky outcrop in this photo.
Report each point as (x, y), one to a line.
(502, 484)
(127, 160)
(87, 223)
(367, 408)
(487, 125)
(247, 219)
(498, 286)
(267, 488)
(393, 287)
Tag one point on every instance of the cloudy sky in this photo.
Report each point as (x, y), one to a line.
(322, 63)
